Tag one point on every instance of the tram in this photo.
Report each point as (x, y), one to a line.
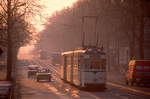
(84, 68)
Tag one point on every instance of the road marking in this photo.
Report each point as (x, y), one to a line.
(55, 70)
(130, 89)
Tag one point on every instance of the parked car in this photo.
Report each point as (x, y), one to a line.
(32, 70)
(5, 90)
(43, 75)
(138, 72)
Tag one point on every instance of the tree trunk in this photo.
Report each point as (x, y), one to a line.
(141, 40)
(133, 28)
(9, 53)
(141, 36)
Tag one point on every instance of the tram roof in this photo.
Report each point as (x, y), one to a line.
(76, 51)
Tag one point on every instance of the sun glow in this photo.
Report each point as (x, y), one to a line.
(25, 52)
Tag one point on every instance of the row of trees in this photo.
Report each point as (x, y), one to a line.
(117, 19)
(120, 28)
(15, 29)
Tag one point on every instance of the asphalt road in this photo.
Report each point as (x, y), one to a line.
(57, 89)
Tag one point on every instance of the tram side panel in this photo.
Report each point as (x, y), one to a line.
(76, 78)
(63, 67)
(68, 73)
(72, 64)
(68, 69)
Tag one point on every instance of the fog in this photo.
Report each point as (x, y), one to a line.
(26, 52)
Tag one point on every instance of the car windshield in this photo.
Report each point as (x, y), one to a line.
(44, 70)
(33, 67)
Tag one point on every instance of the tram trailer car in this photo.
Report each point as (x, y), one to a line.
(85, 69)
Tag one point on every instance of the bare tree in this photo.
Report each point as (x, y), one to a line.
(14, 15)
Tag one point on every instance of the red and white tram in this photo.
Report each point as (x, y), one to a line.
(84, 68)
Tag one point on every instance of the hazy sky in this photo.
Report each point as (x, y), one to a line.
(52, 6)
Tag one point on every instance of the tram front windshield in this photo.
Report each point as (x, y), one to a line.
(95, 62)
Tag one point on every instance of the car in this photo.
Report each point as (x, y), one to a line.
(43, 75)
(32, 70)
(138, 72)
(5, 90)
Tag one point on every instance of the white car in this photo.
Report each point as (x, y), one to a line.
(32, 70)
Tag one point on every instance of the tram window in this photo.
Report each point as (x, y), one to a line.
(68, 60)
(76, 60)
(95, 65)
(98, 65)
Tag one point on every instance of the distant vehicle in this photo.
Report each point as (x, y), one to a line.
(55, 59)
(85, 68)
(138, 72)
(43, 75)
(43, 54)
(5, 90)
(32, 70)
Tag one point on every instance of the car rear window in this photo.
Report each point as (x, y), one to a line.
(142, 65)
(144, 68)
(139, 67)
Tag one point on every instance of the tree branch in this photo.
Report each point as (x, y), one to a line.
(2, 6)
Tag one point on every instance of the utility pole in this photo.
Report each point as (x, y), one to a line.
(9, 47)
